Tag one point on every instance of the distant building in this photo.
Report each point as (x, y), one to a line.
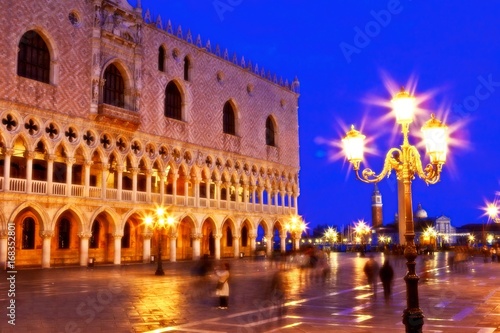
(377, 214)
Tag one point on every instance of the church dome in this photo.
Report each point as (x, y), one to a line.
(420, 213)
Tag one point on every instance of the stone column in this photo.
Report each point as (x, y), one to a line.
(162, 187)
(228, 194)
(134, 171)
(50, 173)
(146, 247)
(245, 196)
(118, 249)
(3, 246)
(283, 194)
(173, 247)
(196, 246)
(86, 184)
(269, 245)
(252, 236)
(119, 182)
(6, 169)
(47, 237)
(217, 238)
(148, 185)
(29, 155)
(296, 202)
(236, 246)
(105, 172)
(296, 242)
(69, 174)
(84, 247)
(261, 196)
(237, 193)
(196, 192)
(175, 176)
(283, 241)
(217, 193)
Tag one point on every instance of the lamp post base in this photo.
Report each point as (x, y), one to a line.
(413, 320)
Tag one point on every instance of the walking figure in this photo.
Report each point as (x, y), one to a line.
(371, 271)
(386, 276)
(223, 286)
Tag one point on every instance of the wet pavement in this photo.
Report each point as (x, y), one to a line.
(130, 298)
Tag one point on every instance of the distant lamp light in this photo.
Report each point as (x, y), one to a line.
(492, 210)
(489, 238)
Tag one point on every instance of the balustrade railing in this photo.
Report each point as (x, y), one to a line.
(61, 189)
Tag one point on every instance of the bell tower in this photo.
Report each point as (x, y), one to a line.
(377, 219)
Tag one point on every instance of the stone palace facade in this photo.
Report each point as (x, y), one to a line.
(106, 114)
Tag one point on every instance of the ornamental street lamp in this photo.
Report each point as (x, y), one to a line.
(493, 212)
(295, 226)
(330, 235)
(362, 229)
(159, 221)
(406, 163)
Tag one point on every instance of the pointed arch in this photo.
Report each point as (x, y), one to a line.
(114, 87)
(271, 130)
(173, 101)
(34, 58)
(229, 124)
(187, 68)
(162, 57)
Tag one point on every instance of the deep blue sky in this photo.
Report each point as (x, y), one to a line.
(450, 50)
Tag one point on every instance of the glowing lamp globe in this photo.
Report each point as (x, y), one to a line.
(354, 145)
(435, 139)
(403, 105)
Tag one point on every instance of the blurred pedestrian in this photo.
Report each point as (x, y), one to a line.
(386, 276)
(371, 270)
(223, 285)
(277, 292)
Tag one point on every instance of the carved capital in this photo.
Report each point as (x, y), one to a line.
(196, 236)
(147, 235)
(84, 235)
(29, 155)
(46, 234)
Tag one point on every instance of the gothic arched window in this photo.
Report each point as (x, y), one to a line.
(33, 59)
(114, 87)
(228, 119)
(94, 239)
(187, 69)
(270, 132)
(244, 236)
(161, 59)
(64, 233)
(28, 241)
(229, 237)
(126, 236)
(173, 102)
